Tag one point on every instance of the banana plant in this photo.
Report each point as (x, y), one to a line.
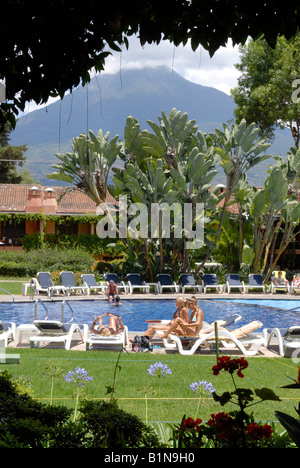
(239, 149)
(148, 188)
(170, 139)
(87, 167)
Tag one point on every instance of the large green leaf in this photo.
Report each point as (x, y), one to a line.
(291, 424)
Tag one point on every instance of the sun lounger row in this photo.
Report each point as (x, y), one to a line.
(134, 282)
(53, 331)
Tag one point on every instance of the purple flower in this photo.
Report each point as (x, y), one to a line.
(159, 369)
(79, 376)
(203, 386)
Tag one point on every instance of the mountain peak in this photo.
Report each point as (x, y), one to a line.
(106, 103)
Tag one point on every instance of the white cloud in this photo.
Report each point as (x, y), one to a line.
(217, 72)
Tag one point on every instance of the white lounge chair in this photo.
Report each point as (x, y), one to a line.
(135, 282)
(255, 281)
(287, 338)
(68, 281)
(89, 281)
(210, 280)
(53, 331)
(164, 281)
(233, 282)
(120, 284)
(7, 332)
(44, 283)
(236, 338)
(187, 281)
(282, 287)
(112, 342)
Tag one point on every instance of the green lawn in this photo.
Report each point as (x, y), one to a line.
(12, 286)
(176, 397)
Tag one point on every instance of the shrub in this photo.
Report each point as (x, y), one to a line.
(26, 423)
(111, 427)
(20, 263)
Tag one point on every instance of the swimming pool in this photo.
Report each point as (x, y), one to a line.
(135, 312)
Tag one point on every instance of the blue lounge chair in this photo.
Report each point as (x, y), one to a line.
(113, 276)
(90, 282)
(53, 331)
(255, 281)
(164, 281)
(44, 283)
(68, 281)
(210, 281)
(187, 281)
(233, 282)
(135, 282)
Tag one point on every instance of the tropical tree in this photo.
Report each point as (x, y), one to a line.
(239, 149)
(271, 215)
(146, 189)
(10, 158)
(88, 166)
(177, 166)
(267, 88)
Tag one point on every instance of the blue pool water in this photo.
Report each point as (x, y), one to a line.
(135, 312)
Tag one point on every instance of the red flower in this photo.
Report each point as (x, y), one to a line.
(190, 423)
(226, 427)
(256, 432)
(230, 365)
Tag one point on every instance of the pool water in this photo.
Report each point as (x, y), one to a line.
(134, 312)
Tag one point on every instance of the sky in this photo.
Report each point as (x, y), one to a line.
(217, 72)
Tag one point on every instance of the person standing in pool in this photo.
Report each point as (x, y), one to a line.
(112, 290)
(181, 311)
(190, 327)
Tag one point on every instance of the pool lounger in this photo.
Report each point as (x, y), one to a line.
(242, 338)
(53, 331)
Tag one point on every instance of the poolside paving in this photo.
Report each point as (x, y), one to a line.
(77, 344)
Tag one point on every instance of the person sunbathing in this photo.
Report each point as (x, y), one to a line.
(114, 328)
(280, 280)
(181, 311)
(190, 326)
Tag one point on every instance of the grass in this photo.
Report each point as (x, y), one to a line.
(12, 285)
(176, 397)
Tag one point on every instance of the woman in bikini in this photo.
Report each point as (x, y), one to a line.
(191, 326)
(181, 311)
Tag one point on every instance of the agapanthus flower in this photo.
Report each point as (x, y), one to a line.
(79, 376)
(159, 369)
(203, 386)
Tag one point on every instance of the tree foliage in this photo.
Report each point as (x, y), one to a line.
(10, 158)
(49, 48)
(267, 89)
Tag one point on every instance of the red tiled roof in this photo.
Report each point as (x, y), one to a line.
(13, 199)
